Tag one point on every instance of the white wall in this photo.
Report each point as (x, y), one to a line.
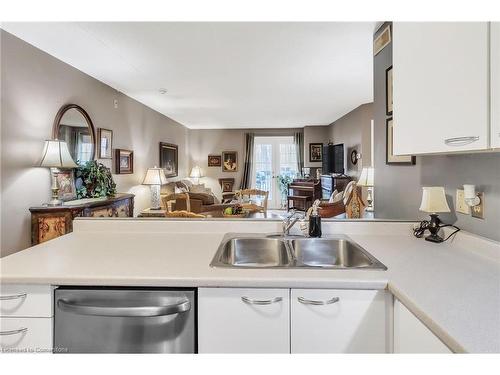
(34, 85)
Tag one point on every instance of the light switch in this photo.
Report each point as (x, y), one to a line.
(460, 205)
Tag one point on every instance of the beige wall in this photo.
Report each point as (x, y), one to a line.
(354, 131)
(34, 85)
(203, 142)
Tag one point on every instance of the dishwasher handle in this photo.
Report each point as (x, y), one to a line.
(124, 311)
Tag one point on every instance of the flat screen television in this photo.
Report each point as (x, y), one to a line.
(333, 159)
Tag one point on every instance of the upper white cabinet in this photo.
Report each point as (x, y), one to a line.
(441, 87)
(340, 321)
(234, 320)
(411, 336)
(495, 84)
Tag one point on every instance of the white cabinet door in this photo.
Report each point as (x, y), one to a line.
(441, 87)
(411, 335)
(234, 320)
(340, 321)
(31, 335)
(495, 84)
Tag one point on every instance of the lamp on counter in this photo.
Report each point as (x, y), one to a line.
(155, 177)
(434, 201)
(196, 174)
(56, 155)
(367, 179)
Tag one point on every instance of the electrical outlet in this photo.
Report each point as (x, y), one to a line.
(478, 211)
(460, 205)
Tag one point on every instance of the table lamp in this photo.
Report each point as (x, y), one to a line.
(367, 179)
(196, 174)
(434, 201)
(155, 177)
(56, 155)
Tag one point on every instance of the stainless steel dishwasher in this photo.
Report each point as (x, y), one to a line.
(125, 320)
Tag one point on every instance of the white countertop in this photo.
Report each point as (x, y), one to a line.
(454, 287)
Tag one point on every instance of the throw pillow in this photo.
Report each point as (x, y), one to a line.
(179, 190)
(338, 197)
(335, 192)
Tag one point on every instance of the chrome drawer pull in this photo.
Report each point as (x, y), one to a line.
(314, 302)
(13, 332)
(261, 302)
(461, 141)
(124, 311)
(13, 296)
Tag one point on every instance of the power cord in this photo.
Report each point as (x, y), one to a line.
(424, 225)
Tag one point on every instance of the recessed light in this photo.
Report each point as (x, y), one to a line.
(163, 91)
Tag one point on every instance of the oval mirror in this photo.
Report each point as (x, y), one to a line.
(73, 125)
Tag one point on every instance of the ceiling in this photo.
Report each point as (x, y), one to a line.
(222, 75)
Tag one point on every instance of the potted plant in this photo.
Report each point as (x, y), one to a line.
(94, 180)
(283, 181)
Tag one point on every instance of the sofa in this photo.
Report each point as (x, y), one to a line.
(201, 199)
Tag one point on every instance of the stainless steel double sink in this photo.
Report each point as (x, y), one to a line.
(275, 251)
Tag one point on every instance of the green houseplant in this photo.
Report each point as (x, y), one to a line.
(94, 180)
(283, 182)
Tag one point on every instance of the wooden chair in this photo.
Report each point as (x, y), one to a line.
(182, 213)
(254, 193)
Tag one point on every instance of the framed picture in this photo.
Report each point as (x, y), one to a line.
(226, 184)
(105, 143)
(315, 152)
(66, 183)
(388, 91)
(230, 161)
(390, 158)
(383, 39)
(169, 159)
(214, 161)
(124, 161)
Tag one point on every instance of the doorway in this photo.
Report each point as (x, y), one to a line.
(273, 157)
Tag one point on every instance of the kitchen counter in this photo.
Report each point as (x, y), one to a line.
(453, 288)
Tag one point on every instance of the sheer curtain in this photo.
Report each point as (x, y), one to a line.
(246, 179)
(299, 149)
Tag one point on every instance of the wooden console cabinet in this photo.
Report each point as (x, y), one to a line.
(302, 193)
(51, 222)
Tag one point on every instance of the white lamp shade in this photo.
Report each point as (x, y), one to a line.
(434, 200)
(367, 177)
(195, 172)
(56, 155)
(155, 176)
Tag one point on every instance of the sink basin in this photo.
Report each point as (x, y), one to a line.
(331, 253)
(252, 252)
(261, 251)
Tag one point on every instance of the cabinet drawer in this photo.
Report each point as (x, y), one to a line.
(26, 335)
(234, 320)
(25, 300)
(340, 321)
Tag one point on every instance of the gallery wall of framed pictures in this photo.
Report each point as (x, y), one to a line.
(228, 161)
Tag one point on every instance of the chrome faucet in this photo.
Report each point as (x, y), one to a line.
(290, 221)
